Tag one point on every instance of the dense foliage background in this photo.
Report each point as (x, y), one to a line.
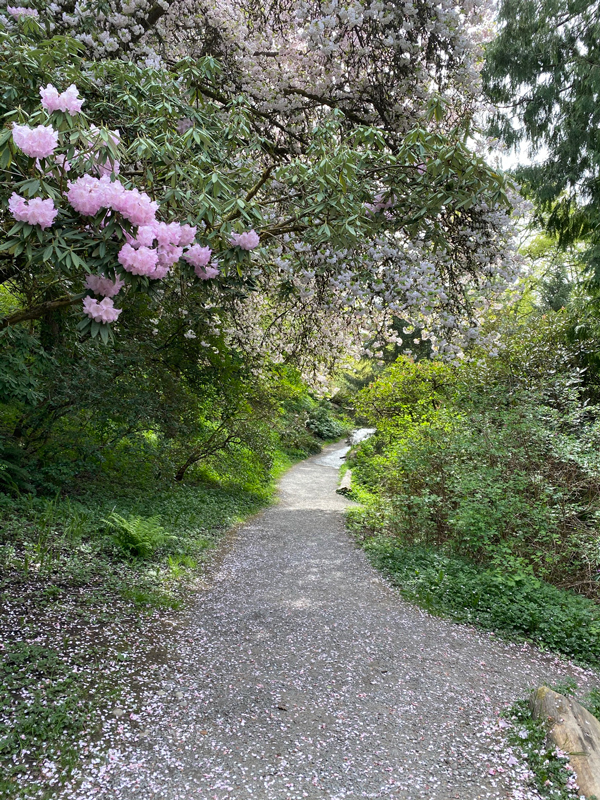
(482, 483)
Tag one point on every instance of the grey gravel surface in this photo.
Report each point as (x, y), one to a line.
(301, 674)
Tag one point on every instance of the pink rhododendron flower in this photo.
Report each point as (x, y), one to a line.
(247, 240)
(88, 195)
(168, 255)
(167, 233)
(35, 212)
(38, 142)
(104, 286)
(138, 262)
(17, 206)
(144, 236)
(68, 100)
(187, 234)
(206, 273)
(198, 256)
(159, 273)
(103, 311)
(135, 206)
(20, 11)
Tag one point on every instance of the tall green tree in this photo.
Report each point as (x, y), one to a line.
(542, 74)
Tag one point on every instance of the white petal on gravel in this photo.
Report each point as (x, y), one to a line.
(301, 674)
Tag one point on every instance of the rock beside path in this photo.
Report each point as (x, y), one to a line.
(574, 730)
(345, 486)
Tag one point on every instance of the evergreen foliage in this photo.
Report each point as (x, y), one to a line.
(542, 77)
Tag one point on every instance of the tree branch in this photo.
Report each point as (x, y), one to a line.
(35, 312)
(253, 191)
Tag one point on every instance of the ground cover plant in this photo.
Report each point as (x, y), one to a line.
(516, 605)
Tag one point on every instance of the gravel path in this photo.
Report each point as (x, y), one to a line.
(303, 675)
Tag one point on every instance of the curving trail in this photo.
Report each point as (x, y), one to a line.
(307, 677)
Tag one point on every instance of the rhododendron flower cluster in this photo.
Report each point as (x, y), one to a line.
(379, 204)
(142, 261)
(134, 205)
(165, 234)
(103, 311)
(35, 212)
(104, 286)
(198, 256)
(39, 142)
(206, 273)
(170, 238)
(168, 255)
(247, 240)
(68, 101)
(21, 11)
(88, 195)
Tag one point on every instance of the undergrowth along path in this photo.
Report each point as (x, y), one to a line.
(301, 674)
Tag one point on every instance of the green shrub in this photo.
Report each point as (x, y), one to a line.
(323, 424)
(506, 480)
(518, 605)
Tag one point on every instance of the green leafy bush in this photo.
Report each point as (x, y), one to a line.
(508, 479)
(323, 424)
(518, 604)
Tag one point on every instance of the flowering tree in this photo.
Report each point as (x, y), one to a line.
(324, 183)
